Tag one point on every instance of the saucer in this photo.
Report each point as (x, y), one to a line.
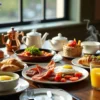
(61, 53)
(22, 85)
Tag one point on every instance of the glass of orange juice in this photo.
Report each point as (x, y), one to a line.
(95, 74)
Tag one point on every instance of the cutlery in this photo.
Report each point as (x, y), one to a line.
(49, 94)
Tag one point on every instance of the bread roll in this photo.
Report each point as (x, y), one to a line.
(85, 60)
(9, 68)
(13, 61)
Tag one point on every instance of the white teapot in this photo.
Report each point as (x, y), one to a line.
(34, 38)
(58, 42)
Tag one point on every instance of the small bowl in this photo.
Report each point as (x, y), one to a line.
(36, 58)
(90, 47)
(7, 85)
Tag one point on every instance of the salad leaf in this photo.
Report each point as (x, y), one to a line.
(33, 50)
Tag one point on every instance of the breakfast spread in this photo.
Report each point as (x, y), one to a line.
(72, 49)
(86, 59)
(11, 64)
(51, 72)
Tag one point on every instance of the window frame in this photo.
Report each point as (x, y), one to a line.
(21, 22)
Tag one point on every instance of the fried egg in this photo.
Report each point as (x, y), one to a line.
(65, 69)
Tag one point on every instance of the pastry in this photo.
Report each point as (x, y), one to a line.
(72, 49)
(11, 68)
(13, 61)
(11, 64)
(85, 60)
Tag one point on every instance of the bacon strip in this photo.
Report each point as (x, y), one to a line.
(42, 73)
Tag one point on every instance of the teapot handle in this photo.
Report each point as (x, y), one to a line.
(23, 39)
(3, 38)
(22, 33)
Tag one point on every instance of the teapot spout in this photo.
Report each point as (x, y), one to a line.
(44, 37)
(51, 43)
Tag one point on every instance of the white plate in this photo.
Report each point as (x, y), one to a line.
(41, 94)
(22, 85)
(75, 62)
(79, 69)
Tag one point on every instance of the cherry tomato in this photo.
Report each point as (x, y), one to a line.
(63, 80)
(78, 74)
(58, 77)
(27, 53)
(72, 43)
(68, 76)
(73, 78)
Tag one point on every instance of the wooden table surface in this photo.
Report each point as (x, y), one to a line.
(82, 89)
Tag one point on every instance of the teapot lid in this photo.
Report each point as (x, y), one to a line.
(33, 33)
(12, 30)
(59, 37)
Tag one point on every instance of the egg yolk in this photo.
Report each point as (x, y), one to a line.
(67, 66)
(5, 77)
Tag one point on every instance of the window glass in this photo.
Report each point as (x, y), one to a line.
(9, 11)
(54, 9)
(32, 10)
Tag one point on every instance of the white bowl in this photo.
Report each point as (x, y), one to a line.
(90, 47)
(8, 85)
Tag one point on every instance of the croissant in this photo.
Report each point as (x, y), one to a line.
(85, 60)
(13, 61)
(11, 68)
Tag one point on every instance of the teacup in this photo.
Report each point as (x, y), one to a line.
(90, 47)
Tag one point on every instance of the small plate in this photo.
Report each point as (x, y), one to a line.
(41, 94)
(22, 85)
(79, 69)
(75, 62)
(61, 53)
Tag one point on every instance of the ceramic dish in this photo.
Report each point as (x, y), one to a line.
(41, 94)
(36, 58)
(55, 58)
(79, 69)
(75, 62)
(22, 85)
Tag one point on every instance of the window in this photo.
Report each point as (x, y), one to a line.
(22, 12)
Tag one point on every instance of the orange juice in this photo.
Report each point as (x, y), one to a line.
(95, 77)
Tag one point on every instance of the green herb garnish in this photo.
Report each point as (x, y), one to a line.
(33, 50)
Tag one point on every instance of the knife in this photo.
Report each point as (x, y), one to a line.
(49, 94)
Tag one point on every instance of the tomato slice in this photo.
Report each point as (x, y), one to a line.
(58, 77)
(63, 80)
(73, 78)
(78, 74)
(68, 76)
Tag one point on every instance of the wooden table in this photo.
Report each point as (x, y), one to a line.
(82, 90)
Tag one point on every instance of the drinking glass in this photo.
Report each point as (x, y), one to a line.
(95, 74)
(30, 94)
